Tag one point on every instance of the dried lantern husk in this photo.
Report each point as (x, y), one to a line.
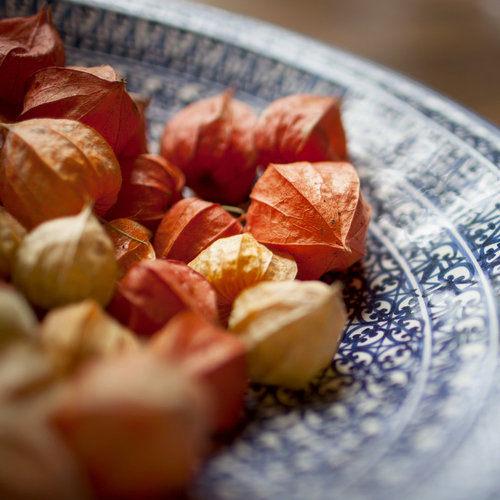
(154, 291)
(140, 138)
(131, 241)
(291, 328)
(66, 260)
(36, 465)
(75, 334)
(190, 226)
(312, 211)
(17, 319)
(11, 235)
(150, 186)
(209, 354)
(211, 141)
(234, 263)
(96, 96)
(26, 45)
(301, 127)
(138, 426)
(25, 371)
(54, 167)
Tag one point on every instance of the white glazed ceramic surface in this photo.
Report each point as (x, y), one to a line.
(410, 407)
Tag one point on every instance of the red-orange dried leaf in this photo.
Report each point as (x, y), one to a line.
(211, 141)
(301, 127)
(313, 211)
(211, 355)
(190, 226)
(131, 242)
(150, 186)
(94, 96)
(26, 45)
(153, 291)
(54, 167)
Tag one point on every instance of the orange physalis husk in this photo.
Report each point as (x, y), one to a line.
(78, 333)
(94, 96)
(153, 291)
(190, 226)
(66, 260)
(292, 329)
(301, 127)
(237, 262)
(27, 44)
(312, 211)
(11, 235)
(211, 355)
(150, 186)
(211, 141)
(54, 167)
(140, 136)
(138, 426)
(131, 242)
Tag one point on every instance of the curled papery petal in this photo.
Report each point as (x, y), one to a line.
(150, 186)
(312, 211)
(94, 96)
(291, 329)
(75, 334)
(301, 127)
(26, 45)
(237, 262)
(211, 355)
(190, 226)
(54, 167)
(211, 141)
(138, 426)
(11, 235)
(131, 242)
(66, 260)
(17, 318)
(154, 291)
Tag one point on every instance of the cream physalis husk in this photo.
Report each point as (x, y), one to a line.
(66, 260)
(11, 235)
(17, 319)
(292, 329)
(77, 333)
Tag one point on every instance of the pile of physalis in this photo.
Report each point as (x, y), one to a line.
(134, 316)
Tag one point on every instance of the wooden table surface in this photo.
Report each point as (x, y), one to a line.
(452, 46)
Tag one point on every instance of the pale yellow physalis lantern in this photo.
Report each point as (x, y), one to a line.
(66, 260)
(234, 263)
(77, 333)
(292, 329)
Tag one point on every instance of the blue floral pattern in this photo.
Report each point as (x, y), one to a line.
(416, 380)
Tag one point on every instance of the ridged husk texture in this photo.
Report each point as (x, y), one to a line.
(54, 167)
(66, 260)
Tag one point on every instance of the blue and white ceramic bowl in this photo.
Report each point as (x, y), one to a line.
(410, 407)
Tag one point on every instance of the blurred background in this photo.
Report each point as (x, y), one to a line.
(452, 46)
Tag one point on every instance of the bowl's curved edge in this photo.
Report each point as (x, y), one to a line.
(282, 44)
